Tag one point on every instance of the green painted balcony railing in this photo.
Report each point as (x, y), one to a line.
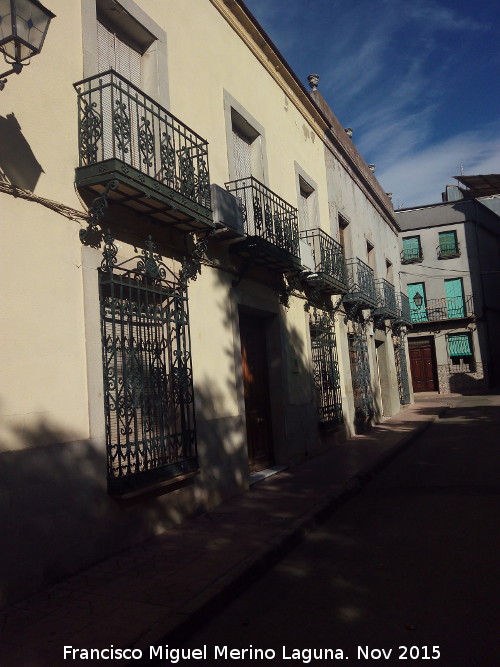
(387, 304)
(404, 308)
(448, 250)
(124, 134)
(409, 255)
(329, 260)
(360, 284)
(447, 308)
(267, 216)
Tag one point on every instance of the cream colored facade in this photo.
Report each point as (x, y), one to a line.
(212, 68)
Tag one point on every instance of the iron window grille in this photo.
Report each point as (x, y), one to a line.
(360, 372)
(148, 390)
(401, 370)
(266, 215)
(326, 369)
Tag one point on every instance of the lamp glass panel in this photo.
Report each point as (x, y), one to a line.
(32, 23)
(4, 7)
(6, 28)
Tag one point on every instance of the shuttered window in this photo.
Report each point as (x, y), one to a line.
(454, 293)
(411, 248)
(114, 53)
(418, 313)
(242, 156)
(459, 345)
(303, 210)
(448, 244)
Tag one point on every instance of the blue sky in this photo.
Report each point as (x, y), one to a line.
(417, 80)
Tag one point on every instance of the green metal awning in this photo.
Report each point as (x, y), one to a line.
(459, 345)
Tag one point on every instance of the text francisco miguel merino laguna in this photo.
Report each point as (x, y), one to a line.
(304, 655)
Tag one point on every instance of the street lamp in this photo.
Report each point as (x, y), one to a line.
(23, 26)
(418, 299)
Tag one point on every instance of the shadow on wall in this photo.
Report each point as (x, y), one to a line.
(467, 384)
(18, 164)
(55, 513)
(58, 519)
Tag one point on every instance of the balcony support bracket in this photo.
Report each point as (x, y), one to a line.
(92, 236)
(313, 298)
(351, 310)
(292, 283)
(379, 321)
(191, 264)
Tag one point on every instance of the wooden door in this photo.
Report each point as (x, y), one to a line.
(256, 389)
(422, 368)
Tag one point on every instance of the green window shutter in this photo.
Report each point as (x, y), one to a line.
(454, 293)
(459, 345)
(417, 314)
(448, 243)
(411, 247)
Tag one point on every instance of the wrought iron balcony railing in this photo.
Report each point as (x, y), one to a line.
(387, 304)
(360, 284)
(267, 216)
(448, 308)
(409, 255)
(404, 308)
(329, 260)
(125, 134)
(448, 250)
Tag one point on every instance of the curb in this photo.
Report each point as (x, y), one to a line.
(178, 627)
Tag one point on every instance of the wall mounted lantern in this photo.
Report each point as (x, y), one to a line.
(418, 300)
(23, 26)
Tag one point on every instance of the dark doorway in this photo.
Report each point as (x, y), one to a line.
(256, 389)
(423, 366)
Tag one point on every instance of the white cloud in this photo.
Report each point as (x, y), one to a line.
(437, 17)
(421, 176)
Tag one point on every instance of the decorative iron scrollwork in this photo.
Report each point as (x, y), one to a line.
(326, 372)
(187, 173)
(257, 213)
(191, 265)
(203, 183)
(90, 131)
(121, 127)
(146, 142)
(93, 235)
(401, 368)
(148, 386)
(167, 157)
(360, 372)
(109, 253)
(291, 284)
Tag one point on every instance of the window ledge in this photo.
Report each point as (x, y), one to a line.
(141, 483)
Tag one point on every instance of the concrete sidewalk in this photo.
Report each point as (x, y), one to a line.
(158, 591)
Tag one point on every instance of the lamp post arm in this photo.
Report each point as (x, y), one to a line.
(16, 69)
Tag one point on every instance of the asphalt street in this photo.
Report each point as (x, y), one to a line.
(405, 573)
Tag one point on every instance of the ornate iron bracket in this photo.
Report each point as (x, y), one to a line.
(93, 234)
(351, 311)
(378, 321)
(287, 287)
(191, 265)
(313, 298)
(247, 264)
